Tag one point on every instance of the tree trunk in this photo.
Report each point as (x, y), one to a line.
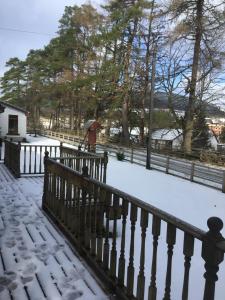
(189, 115)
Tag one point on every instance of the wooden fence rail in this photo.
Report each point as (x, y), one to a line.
(189, 170)
(129, 243)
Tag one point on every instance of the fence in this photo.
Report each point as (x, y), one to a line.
(133, 258)
(190, 170)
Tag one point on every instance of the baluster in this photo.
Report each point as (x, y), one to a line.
(141, 275)
(94, 221)
(106, 243)
(40, 161)
(188, 250)
(78, 209)
(130, 269)
(54, 193)
(57, 193)
(113, 258)
(88, 220)
(122, 261)
(67, 187)
(76, 196)
(24, 160)
(156, 226)
(100, 224)
(30, 159)
(212, 256)
(171, 240)
(105, 165)
(35, 159)
(97, 165)
(50, 152)
(62, 200)
(45, 196)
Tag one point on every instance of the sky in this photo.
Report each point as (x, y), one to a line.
(39, 16)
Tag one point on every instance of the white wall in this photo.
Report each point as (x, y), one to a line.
(22, 123)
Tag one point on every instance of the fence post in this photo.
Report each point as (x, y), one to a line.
(167, 164)
(192, 171)
(132, 155)
(223, 183)
(212, 256)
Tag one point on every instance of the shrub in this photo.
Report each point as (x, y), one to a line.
(120, 155)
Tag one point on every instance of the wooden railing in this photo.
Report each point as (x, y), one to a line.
(134, 247)
(32, 158)
(29, 159)
(12, 157)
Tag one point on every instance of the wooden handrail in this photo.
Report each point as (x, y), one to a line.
(83, 208)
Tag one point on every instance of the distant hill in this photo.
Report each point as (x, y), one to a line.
(180, 102)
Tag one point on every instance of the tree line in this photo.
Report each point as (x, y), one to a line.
(102, 64)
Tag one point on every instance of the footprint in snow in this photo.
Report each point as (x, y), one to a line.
(30, 269)
(25, 280)
(10, 243)
(8, 281)
(73, 295)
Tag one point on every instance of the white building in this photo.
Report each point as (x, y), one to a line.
(13, 122)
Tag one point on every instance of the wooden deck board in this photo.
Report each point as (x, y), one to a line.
(34, 257)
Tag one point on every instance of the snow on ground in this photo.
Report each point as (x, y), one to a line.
(33, 254)
(191, 202)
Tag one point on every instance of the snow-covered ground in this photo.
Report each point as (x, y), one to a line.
(188, 201)
(36, 262)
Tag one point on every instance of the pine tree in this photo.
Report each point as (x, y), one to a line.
(200, 137)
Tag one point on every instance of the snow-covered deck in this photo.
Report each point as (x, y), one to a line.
(36, 262)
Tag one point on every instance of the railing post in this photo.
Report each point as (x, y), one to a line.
(212, 256)
(223, 183)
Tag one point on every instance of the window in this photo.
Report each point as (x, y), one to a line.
(13, 124)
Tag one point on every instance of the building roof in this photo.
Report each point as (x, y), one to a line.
(166, 134)
(6, 104)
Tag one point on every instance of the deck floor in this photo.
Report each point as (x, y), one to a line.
(36, 261)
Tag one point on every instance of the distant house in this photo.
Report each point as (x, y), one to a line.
(167, 139)
(13, 122)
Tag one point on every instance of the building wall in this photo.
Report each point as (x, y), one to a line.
(22, 123)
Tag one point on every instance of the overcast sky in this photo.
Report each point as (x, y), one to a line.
(29, 15)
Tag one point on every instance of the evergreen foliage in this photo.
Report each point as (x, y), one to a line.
(99, 61)
(201, 137)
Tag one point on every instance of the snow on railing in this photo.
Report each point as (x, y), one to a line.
(139, 251)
